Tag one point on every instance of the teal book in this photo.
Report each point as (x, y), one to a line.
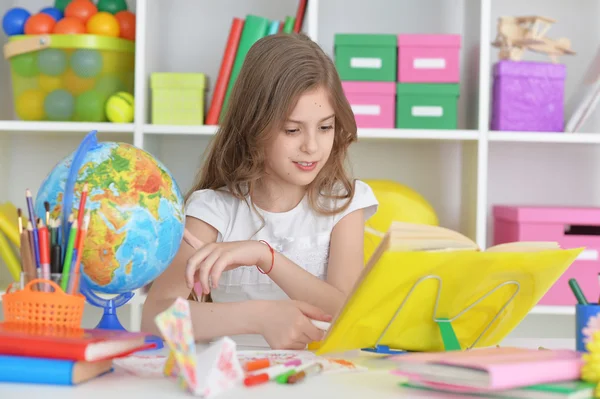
(255, 28)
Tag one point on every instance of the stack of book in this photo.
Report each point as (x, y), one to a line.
(58, 356)
(242, 35)
(497, 372)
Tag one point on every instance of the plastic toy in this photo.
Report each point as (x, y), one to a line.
(61, 4)
(82, 9)
(126, 20)
(89, 106)
(86, 63)
(52, 61)
(103, 23)
(50, 83)
(39, 24)
(59, 105)
(25, 65)
(69, 26)
(13, 22)
(120, 108)
(517, 34)
(112, 6)
(53, 12)
(30, 105)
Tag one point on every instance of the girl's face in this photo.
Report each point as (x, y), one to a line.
(298, 152)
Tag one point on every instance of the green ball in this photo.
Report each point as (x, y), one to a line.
(108, 85)
(25, 64)
(86, 63)
(89, 107)
(52, 61)
(59, 105)
(112, 6)
(61, 4)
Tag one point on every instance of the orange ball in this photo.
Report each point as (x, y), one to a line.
(126, 21)
(103, 23)
(81, 9)
(39, 24)
(69, 26)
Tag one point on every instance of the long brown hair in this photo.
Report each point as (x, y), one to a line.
(277, 70)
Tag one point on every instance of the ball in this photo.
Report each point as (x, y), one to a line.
(86, 63)
(61, 4)
(59, 105)
(75, 84)
(81, 9)
(126, 20)
(39, 24)
(69, 26)
(89, 107)
(52, 61)
(13, 22)
(25, 64)
(53, 12)
(120, 108)
(103, 23)
(50, 83)
(112, 6)
(29, 105)
(108, 85)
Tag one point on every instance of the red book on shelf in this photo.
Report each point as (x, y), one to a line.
(79, 344)
(212, 118)
(300, 15)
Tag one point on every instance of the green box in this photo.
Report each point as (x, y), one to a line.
(426, 105)
(178, 98)
(366, 57)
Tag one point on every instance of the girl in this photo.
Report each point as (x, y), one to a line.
(281, 221)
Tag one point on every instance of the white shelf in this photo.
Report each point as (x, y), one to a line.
(553, 310)
(193, 130)
(63, 127)
(545, 137)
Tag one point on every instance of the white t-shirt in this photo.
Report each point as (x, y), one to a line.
(300, 234)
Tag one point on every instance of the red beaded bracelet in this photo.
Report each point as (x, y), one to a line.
(272, 257)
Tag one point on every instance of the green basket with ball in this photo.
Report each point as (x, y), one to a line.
(69, 77)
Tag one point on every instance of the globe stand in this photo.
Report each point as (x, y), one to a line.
(110, 319)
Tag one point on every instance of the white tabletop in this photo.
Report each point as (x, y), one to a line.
(375, 383)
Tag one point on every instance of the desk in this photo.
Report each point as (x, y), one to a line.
(372, 384)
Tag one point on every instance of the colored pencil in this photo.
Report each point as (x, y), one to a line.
(67, 234)
(31, 241)
(26, 258)
(76, 269)
(68, 257)
(20, 220)
(35, 232)
(81, 210)
(44, 251)
(47, 208)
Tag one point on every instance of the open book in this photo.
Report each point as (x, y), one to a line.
(420, 274)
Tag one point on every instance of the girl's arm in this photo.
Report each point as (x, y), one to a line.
(344, 267)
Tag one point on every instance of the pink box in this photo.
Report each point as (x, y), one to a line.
(428, 58)
(373, 103)
(571, 227)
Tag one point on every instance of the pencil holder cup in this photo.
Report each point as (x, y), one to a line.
(41, 307)
(27, 277)
(587, 320)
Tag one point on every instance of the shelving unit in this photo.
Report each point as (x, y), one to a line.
(461, 172)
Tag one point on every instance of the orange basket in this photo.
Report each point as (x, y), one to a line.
(53, 308)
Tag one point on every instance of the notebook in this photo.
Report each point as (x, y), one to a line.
(419, 274)
(489, 369)
(34, 370)
(69, 344)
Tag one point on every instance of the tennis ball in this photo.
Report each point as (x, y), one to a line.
(119, 108)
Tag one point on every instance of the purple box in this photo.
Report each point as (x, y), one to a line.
(528, 96)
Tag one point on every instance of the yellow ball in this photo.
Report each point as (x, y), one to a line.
(76, 85)
(50, 83)
(103, 23)
(120, 108)
(29, 105)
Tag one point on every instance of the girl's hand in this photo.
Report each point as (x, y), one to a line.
(213, 259)
(286, 324)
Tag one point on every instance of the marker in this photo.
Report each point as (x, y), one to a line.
(577, 292)
(257, 364)
(321, 325)
(302, 374)
(270, 373)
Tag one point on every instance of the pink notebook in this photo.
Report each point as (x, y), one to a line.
(489, 369)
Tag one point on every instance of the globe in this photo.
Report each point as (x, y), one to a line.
(136, 214)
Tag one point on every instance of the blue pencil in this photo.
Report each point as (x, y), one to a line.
(273, 28)
(36, 237)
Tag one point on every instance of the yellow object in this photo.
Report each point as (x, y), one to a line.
(76, 85)
(9, 222)
(397, 202)
(30, 105)
(50, 83)
(103, 23)
(410, 252)
(178, 98)
(10, 258)
(120, 108)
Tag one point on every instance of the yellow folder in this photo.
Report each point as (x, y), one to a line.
(420, 275)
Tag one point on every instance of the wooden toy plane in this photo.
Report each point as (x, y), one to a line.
(517, 34)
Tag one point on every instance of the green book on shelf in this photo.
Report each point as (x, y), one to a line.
(255, 28)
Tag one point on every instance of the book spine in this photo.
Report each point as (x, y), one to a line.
(36, 370)
(233, 41)
(300, 16)
(41, 349)
(255, 28)
(288, 27)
